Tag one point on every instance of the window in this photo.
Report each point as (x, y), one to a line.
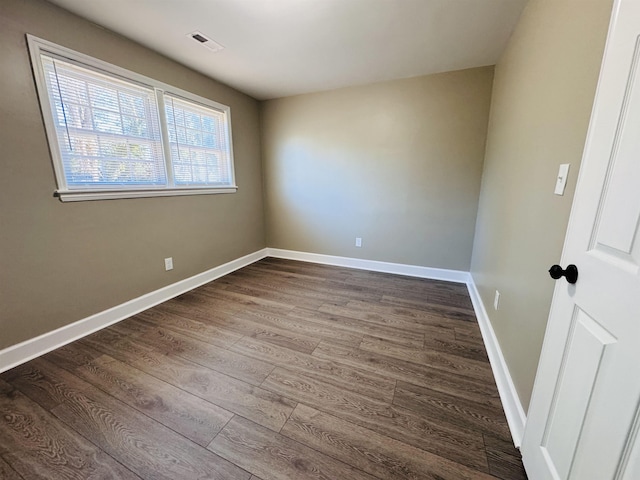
(116, 134)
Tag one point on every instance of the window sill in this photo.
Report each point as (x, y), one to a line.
(87, 195)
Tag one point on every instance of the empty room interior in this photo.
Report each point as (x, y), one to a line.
(285, 239)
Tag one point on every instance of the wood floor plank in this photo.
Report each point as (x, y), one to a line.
(321, 286)
(309, 269)
(371, 452)
(196, 419)
(342, 376)
(274, 295)
(293, 339)
(461, 348)
(276, 457)
(481, 391)
(421, 315)
(310, 288)
(449, 297)
(36, 444)
(197, 304)
(404, 287)
(390, 420)
(302, 328)
(263, 407)
(434, 359)
(8, 473)
(363, 315)
(204, 331)
(244, 300)
(429, 310)
(455, 410)
(505, 461)
(243, 323)
(72, 355)
(469, 333)
(216, 358)
(144, 446)
(341, 324)
(398, 318)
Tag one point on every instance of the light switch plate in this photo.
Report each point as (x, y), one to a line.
(561, 181)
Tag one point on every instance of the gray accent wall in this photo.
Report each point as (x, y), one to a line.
(542, 98)
(62, 262)
(396, 163)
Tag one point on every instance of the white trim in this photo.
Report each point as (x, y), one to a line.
(84, 195)
(516, 417)
(457, 276)
(23, 352)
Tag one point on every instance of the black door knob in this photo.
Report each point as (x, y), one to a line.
(570, 273)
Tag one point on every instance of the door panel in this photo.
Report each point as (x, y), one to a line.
(577, 380)
(619, 218)
(583, 421)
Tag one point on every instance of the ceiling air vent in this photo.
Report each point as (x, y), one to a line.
(205, 41)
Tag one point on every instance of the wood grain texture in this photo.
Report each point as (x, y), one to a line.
(373, 453)
(203, 331)
(445, 361)
(196, 419)
(274, 456)
(35, 444)
(8, 473)
(202, 353)
(72, 355)
(482, 391)
(280, 370)
(335, 373)
(346, 325)
(265, 408)
(300, 327)
(504, 459)
(396, 422)
(455, 410)
(145, 447)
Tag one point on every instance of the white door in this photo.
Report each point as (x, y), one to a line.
(584, 418)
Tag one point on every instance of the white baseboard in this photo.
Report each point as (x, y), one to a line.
(516, 417)
(458, 276)
(32, 348)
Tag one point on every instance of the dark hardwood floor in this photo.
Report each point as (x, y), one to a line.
(280, 370)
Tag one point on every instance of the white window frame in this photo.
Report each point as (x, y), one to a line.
(38, 46)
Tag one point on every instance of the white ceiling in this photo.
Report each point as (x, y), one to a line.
(277, 48)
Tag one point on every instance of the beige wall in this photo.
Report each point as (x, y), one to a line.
(62, 262)
(396, 163)
(542, 98)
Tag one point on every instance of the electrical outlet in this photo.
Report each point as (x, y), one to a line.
(496, 300)
(358, 242)
(168, 263)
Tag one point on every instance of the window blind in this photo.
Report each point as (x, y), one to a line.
(108, 129)
(199, 143)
